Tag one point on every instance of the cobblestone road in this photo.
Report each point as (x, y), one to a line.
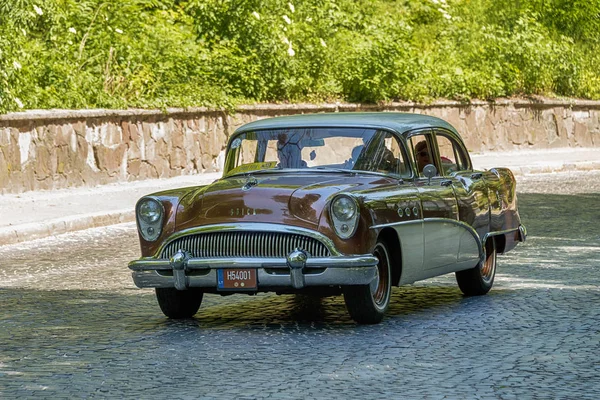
(72, 325)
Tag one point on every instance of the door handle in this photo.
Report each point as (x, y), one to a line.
(446, 182)
(476, 175)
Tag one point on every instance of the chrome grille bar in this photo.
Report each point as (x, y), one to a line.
(245, 244)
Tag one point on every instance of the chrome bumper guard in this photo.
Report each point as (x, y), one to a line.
(297, 270)
(522, 233)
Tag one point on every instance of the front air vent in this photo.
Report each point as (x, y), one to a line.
(245, 245)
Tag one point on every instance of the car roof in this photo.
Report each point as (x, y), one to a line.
(400, 122)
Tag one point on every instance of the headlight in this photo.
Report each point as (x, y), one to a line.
(149, 213)
(343, 208)
(344, 215)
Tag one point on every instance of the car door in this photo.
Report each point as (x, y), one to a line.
(394, 201)
(470, 189)
(439, 208)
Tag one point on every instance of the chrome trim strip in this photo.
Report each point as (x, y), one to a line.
(250, 227)
(392, 224)
(507, 231)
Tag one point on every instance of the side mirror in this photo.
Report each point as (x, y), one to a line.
(429, 171)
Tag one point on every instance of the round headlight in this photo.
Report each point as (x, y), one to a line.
(150, 214)
(150, 211)
(345, 216)
(344, 208)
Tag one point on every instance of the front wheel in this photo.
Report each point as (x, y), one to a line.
(177, 304)
(367, 304)
(479, 280)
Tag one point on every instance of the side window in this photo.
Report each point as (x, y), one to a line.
(422, 150)
(383, 154)
(451, 156)
(392, 158)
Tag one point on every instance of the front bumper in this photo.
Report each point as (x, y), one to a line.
(297, 271)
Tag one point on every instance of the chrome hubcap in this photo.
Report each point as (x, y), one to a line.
(489, 266)
(379, 285)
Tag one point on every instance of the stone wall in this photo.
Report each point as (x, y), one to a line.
(56, 148)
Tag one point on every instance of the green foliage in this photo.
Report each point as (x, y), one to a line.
(218, 53)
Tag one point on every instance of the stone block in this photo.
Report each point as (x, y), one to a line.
(161, 166)
(235, 121)
(133, 131)
(177, 159)
(5, 137)
(191, 145)
(109, 159)
(64, 162)
(176, 133)
(134, 151)
(43, 163)
(216, 138)
(79, 127)
(134, 167)
(5, 169)
(64, 134)
(207, 163)
(581, 134)
(158, 131)
(161, 149)
(147, 131)
(111, 135)
(147, 171)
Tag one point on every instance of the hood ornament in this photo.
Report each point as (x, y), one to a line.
(250, 182)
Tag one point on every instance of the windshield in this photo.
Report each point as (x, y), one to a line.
(352, 149)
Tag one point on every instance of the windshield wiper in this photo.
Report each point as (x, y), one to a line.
(329, 169)
(257, 171)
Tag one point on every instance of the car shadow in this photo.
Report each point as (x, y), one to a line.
(122, 315)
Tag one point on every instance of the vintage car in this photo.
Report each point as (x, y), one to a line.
(330, 204)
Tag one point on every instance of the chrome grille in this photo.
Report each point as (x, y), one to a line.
(245, 244)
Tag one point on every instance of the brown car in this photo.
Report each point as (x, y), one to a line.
(326, 204)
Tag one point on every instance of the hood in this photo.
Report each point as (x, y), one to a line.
(285, 198)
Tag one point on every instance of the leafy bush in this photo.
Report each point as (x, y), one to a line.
(151, 53)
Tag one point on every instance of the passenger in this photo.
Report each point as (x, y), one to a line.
(422, 154)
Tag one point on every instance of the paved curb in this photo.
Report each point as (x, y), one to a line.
(546, 169)
(39, 230)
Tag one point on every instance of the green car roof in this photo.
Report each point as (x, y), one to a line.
(400, 122)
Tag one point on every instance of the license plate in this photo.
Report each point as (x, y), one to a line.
(236, 279)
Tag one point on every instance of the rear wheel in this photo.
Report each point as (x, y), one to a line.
(367, 304)
(179, 304)
(479, 280)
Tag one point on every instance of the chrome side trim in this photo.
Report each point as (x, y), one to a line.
(393, 224)
(250, 227)
(498, 233)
